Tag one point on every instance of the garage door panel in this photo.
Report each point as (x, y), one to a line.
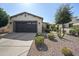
(25, 26)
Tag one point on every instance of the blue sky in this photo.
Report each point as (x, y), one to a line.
(45, 10)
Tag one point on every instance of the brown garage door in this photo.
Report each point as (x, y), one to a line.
(25, 26)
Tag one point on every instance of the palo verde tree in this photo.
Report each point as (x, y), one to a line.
(4, 17)
(63, 16)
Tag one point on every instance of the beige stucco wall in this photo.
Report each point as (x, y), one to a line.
(27, 18)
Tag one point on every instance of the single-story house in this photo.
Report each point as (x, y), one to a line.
(26, 22)
(74, 21)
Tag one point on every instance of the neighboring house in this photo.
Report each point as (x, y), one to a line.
(75, 20)
(26, 22)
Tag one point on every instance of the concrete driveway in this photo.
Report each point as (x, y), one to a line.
(16, 44)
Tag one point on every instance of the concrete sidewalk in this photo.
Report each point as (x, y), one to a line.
(14, 47)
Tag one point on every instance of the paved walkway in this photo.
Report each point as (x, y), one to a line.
(16, 44)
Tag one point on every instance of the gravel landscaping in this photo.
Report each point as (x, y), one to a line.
(53, 48)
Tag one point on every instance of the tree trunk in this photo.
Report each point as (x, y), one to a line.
(59, 32)
(63, 30)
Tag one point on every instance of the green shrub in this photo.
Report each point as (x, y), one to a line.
(72, 31)
(54, 29)
(67, 52)
(39, 34)
(77, 31)
(51, 36)
(39, 40)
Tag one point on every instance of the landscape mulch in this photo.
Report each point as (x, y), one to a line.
(54, 47)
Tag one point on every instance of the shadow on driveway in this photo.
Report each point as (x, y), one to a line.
(20, 36)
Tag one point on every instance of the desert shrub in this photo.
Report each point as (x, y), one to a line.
(67, 52)
(51, 36)
(39, 40)
(54, 27)
(39, 34)
(72, 31)
(77, 31)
